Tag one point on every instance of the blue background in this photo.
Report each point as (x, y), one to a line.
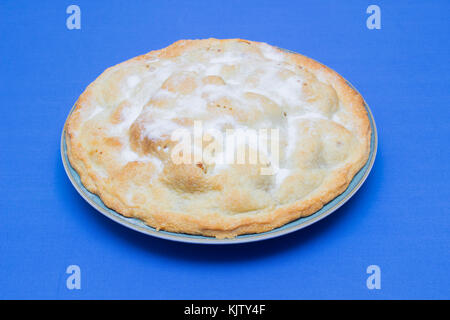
(398, 220)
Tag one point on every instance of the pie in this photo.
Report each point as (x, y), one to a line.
(218, 137)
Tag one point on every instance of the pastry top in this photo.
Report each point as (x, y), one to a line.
(218, 137)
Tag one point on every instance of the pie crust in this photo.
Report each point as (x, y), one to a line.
(119, 136)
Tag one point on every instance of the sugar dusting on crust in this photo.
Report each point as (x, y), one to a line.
(132, 81)
(95, 112)
(237, 74)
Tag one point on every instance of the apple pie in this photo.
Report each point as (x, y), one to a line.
(218, 137)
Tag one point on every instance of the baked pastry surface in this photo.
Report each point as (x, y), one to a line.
(120, 137)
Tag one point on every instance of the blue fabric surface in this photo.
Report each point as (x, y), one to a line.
(398, 220)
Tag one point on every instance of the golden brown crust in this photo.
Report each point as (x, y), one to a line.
(103, 174)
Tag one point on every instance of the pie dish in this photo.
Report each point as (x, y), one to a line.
(119, 137)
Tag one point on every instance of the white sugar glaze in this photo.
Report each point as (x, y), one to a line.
(242, 74)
